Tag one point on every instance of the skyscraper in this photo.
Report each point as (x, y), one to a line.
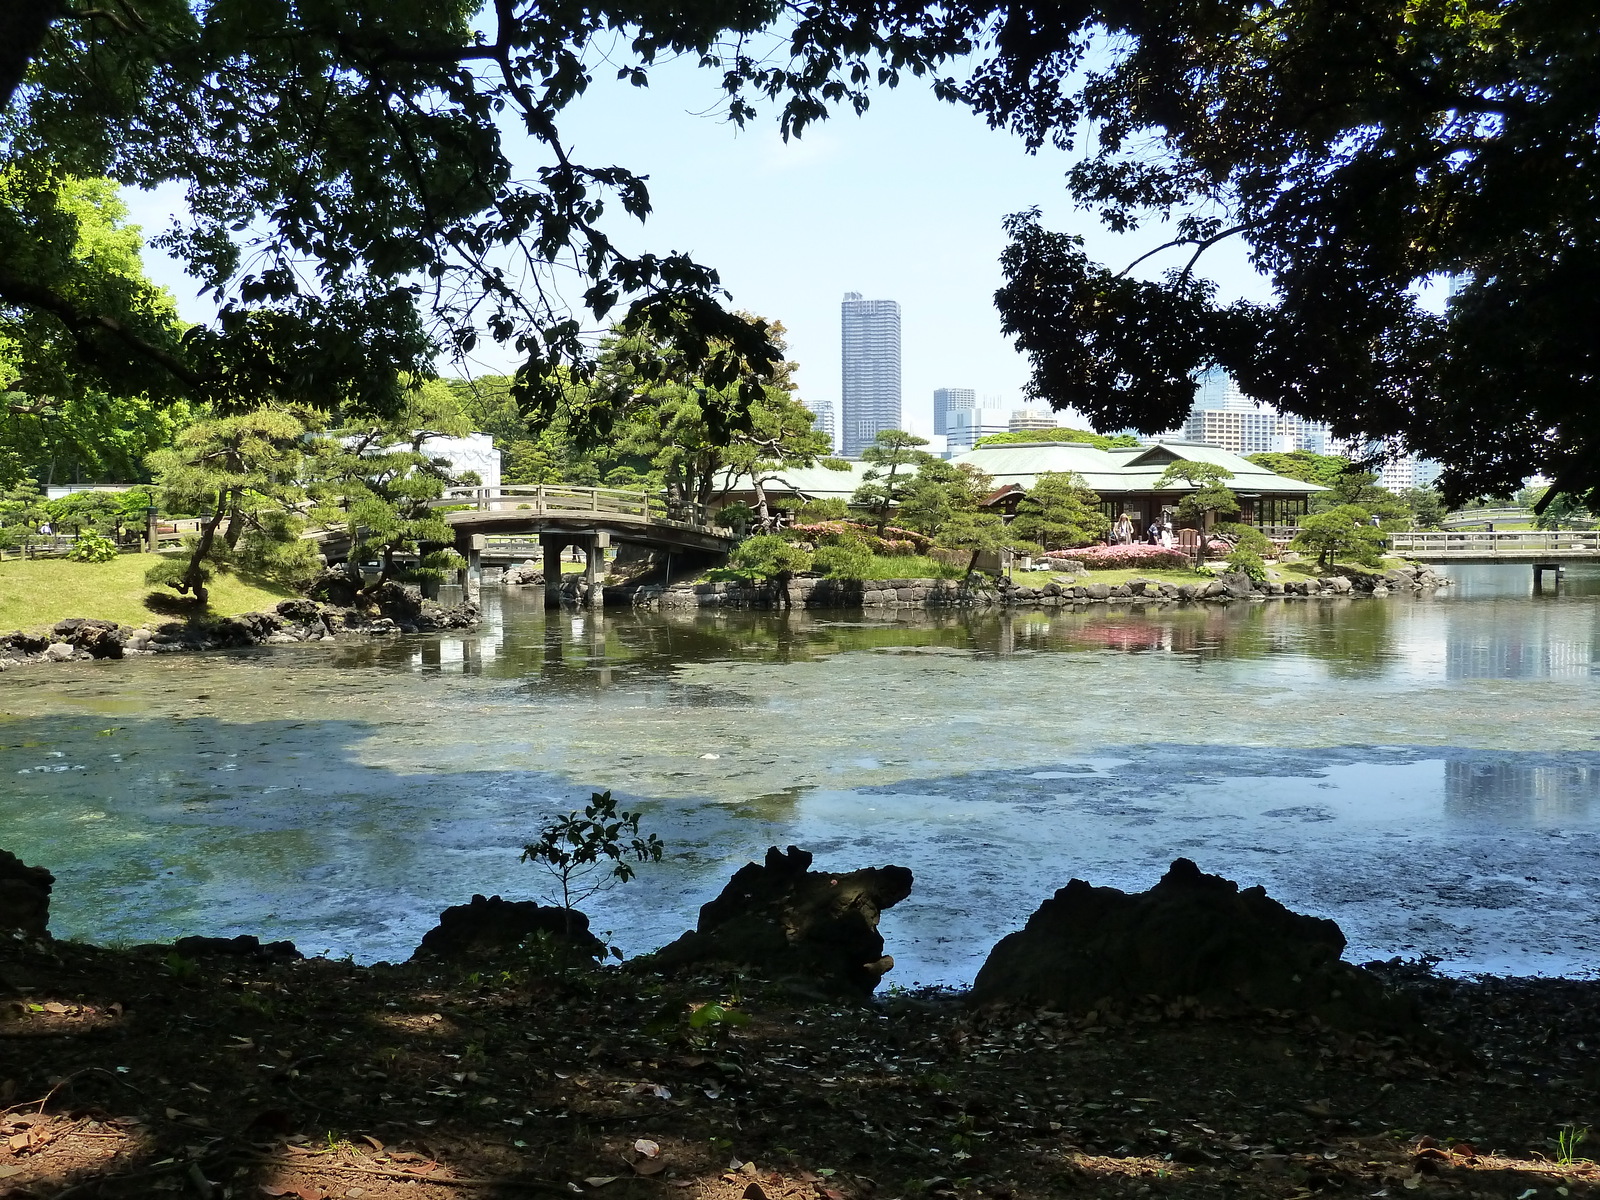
(949, 400)
(871, 392)
(823, 412)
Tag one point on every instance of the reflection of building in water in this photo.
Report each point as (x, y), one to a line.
(1522, 655)
(1494, 787)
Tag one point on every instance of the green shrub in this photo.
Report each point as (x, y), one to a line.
(92, 548)
(1249, 562)
(831, 509)
(843, 558)
(769, 556)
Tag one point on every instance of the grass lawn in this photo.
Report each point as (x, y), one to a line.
(36, 593)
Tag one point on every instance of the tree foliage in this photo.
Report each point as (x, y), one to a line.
(235, 471)
(352, 201)
(892, 461)
(1304, 465)
(938, 492)
(1343, 532)
(377, 480)
(1100, 441)
(1059, 512)
(1211, 496)
(1358, 152)
(62, 418)
(588, 852)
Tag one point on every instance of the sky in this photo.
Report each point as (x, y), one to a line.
(904, 203)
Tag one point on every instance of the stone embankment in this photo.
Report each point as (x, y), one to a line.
(1065, 590)
(391, 609)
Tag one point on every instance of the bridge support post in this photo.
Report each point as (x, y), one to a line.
(474, 580)
(552, 548)
(594, 569)
(1538, 577)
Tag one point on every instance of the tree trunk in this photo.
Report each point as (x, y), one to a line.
(235, 518)
(762, 515)
(23, 26)
(193, 581)
(781, 582)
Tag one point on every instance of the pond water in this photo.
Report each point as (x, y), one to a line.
(1426, 771)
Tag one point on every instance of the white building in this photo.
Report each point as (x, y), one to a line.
(1222, 415)
(822, 411)
(968, 425)
(949, 400)
(1028, 418)
(475, 452)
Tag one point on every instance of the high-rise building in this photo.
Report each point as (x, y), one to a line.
(823, 412)
(967, 425)
(870, 332)
(949, 400)
(1028, 418)
(1224, 416)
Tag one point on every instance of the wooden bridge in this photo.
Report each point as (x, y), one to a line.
(555, 517)
(1511, 546)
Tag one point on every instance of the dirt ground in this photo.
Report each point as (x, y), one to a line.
(145, 1073)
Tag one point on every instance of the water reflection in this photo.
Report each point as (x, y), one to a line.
(1478, 632)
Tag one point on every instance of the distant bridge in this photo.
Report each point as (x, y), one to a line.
(552, 517)
(1543, 551)
(1516, 546)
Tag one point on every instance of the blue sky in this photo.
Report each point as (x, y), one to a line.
(904, 203)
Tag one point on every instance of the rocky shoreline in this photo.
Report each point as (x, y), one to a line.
(1066, 591)
(391, 609)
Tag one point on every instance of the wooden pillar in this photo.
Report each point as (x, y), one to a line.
(474, 585)
(594, 591)
(552, 547)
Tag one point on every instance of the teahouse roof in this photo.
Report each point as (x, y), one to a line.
(1126, 469)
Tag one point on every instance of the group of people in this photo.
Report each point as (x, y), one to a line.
(1157, 533)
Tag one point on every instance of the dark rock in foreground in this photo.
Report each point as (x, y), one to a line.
(491, 926)
(246, 946)
(1192, 938)
(24, 897)
(786, 921)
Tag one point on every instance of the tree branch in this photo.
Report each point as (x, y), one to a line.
(23, 26)
(83, 325)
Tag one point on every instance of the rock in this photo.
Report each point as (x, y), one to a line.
(22, 645)
(102, 639)
(246, 945)
(59, 652)
(1237, 584)
(1192, 937)
(786, 921)
(1097, 591)
(527, 574)
(299, 612)
(246, 629)
(24, 897)
(486, 927)
(334, 587)
(398, 602)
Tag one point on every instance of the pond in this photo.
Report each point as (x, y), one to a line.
(1423, 770)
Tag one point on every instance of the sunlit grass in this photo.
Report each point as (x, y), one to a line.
(36, 593)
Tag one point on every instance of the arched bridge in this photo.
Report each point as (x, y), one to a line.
(560, 516)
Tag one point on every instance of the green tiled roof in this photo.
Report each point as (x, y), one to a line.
(1125, 469)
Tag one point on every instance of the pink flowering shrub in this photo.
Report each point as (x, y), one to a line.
(1109, 558)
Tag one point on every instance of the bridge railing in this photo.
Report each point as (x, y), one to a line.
(538, 500)
(1483, 542)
